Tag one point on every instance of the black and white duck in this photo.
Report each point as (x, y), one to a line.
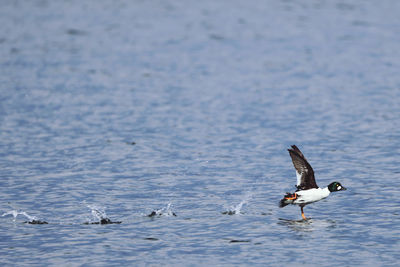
(307, 189)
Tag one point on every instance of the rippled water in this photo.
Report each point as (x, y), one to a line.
(118, 109)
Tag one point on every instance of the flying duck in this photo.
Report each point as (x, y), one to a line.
(307, 189)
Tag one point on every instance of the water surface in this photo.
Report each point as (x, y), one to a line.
(122, 108)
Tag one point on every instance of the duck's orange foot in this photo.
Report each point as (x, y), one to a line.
(302, 213)
(291, 196)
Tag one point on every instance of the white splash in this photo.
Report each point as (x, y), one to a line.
(237, 209)
(166, 211)
(15, 213)
(98, 213)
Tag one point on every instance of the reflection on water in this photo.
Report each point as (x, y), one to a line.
(308, 225)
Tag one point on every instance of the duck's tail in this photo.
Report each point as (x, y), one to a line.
(283, 203)
(289, 198)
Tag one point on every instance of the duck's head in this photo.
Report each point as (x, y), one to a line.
(336, 186)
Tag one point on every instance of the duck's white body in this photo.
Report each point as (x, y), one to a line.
(311, 195)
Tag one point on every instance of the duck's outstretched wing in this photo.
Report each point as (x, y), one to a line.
(304, 171)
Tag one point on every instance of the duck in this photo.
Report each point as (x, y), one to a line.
(307, 189)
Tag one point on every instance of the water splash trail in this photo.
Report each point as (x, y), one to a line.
(31, 219)
(166, 211)
(99, 215)
(15, 214)
(237, 209)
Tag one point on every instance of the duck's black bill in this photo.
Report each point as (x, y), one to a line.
(343, 188)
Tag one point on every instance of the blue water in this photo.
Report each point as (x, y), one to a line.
(117, 109)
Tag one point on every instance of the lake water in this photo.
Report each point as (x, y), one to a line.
(120, 109)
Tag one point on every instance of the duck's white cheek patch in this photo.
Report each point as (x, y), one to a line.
(339, 187)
